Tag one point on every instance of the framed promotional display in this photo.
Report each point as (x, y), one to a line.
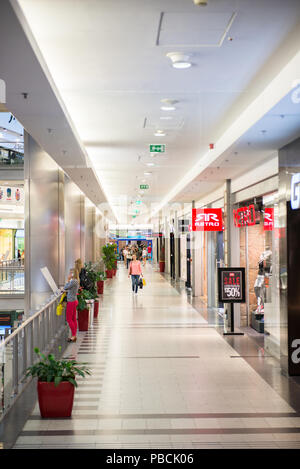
(231, 284)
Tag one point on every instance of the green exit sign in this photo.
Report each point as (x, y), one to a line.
(157, 148)
(144, 186)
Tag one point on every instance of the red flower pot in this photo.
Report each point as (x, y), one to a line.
(109, 273)
(161, 266)
(100, 287)
(83, 320)
(96, 308)
(114, 272)
(55, 402)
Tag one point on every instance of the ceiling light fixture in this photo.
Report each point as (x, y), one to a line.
(179, 60)
(147, 173)
(150, 164)
(168, 108)
(160, 133)
(168, 104)
(201, 3)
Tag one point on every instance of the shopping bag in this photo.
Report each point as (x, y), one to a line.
(141, 283)
(144, 281)
(61, 305)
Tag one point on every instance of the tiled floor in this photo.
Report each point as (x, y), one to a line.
(163, 377)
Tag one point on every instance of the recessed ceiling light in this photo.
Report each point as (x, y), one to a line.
(179, 60)
(147, 173)
(150, 164)
(168, 108)
(159, 133)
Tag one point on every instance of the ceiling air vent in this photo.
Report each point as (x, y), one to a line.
(202, 29)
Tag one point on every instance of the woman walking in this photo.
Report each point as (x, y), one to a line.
(71, 288)
(125, 252)
(129, 256)
(135, 270)
(144, 255)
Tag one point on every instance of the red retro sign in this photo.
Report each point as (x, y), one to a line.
(244, 216)
(269, 219)
(207, 219)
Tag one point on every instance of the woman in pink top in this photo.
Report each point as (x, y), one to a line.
(135, 270)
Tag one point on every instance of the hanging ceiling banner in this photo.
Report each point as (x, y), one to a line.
(269, 219)
(207, 219)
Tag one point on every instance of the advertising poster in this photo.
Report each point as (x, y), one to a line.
(231, 284)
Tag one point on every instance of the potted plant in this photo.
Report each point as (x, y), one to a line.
(109, 259)
(56, 384)
(162, 259)
(91, 274)
(101, 277)
(82, 308)
(116, 258)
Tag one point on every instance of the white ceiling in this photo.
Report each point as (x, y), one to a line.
(108, 62)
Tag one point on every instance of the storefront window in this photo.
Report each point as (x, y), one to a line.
(257, 222)
(6, 244)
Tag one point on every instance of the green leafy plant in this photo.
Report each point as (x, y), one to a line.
(101, 276)
(98, 272)
(50, 370)
(82, 296)
(92, 275)
(109, 256)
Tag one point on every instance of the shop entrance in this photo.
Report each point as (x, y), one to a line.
(259, 256)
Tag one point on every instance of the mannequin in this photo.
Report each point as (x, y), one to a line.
(264, 270)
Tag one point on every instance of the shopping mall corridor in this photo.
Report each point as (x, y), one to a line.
(162, 377)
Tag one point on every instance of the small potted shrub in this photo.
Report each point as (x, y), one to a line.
(83, 309)
(101, 277)
(56, 384)
(109, 258)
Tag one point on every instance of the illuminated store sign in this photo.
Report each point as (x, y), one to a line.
(244, 216)
(269, 219)
(295, 191)
(207, 219)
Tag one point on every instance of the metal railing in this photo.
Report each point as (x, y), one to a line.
(17, 350)
(11, 280)
(16, 263)
(11, 158)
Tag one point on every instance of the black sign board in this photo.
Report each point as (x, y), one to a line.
(293, 291)
(231, 282)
